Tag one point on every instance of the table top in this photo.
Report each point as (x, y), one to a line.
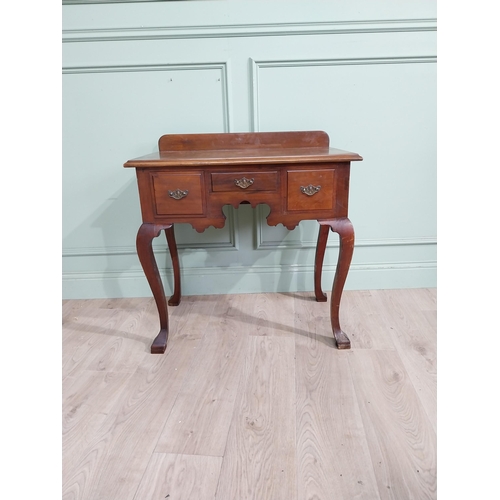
(189, 150)
(242, 157)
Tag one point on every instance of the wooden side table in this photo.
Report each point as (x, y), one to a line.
(193, 176)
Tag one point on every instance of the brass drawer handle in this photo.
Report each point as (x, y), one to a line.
(178, 194)
(310, 190)
(243, 183)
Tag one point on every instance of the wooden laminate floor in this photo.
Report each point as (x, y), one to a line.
(251, 400)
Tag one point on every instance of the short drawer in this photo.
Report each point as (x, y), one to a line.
(178, 194)
(310, 190)
(245, 181)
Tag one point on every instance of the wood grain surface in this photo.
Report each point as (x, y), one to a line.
(332, 451)
(180, 477)
(200, 419)
(251, 400)
(400, 436)
(260, 459)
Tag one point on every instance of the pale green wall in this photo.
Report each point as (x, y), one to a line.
(363, 71)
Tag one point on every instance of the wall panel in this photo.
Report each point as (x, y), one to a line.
(365, 75)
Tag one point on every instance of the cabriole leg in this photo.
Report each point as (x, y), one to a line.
(346, 232)
(145, 252)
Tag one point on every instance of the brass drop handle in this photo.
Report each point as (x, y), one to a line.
(310, 190)
(178, 194)
(243, 183)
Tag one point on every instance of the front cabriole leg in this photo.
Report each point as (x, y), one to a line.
(145, 252)
(345, 230)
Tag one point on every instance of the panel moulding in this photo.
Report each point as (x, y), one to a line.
(246, 30)
(250, 279)
(161, 248)
(262, 244)
(256, 66)
(137, 68)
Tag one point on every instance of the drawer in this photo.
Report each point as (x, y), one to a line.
(310, 190)
(178, 194)
(245, 181)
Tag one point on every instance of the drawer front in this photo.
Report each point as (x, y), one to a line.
(178, 194)
(310, 190)
(244, 181)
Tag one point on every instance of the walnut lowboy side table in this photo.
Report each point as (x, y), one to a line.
(193, 176)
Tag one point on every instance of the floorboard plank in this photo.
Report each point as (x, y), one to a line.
(362, 320)
(332, 452)
(273, 315)
(416, 342)
(200, 419)
(400, 436)
(259, 460)
(111, 459)
(179, 477)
